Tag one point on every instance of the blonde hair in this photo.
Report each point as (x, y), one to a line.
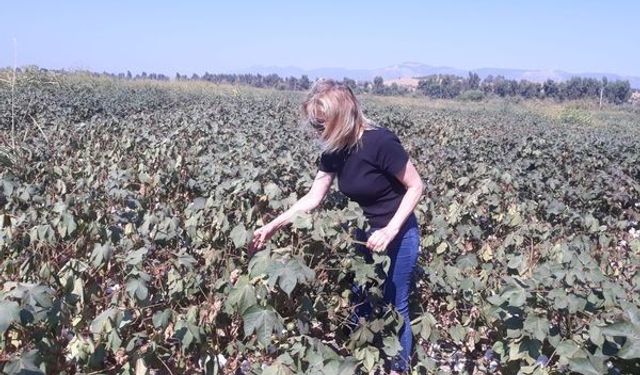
(333, 109)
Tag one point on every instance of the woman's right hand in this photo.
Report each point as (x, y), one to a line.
(260, 238)
(319, 188)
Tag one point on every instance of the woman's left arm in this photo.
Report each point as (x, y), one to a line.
(380, 239)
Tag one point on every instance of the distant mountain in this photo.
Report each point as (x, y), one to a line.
(414, 69)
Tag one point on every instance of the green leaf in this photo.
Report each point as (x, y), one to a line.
(530, 347)
(259, 263)
(188, 333)
(104, 322)
(137, 288)
(67, 225)
(198, 204)
(302, 221)
(622, 329)
(454, 213)
(368, 356)
(630, 330)
(457, 333)
(364, 272)
(391, 345)
(442, 247)
(362, 335)
(24, 364)
(238, 235)
(538, 327)
(242, 295)
(463, 181)
(135, 257)
(567, 349)
(80, 348)
(263, 322)
(272, 190)
(630, 350)
(467, 261)
(160, 319)
(9, 313)
(347, 367)
(515, 295)
(595, 335)
(576, 303)
(583, 366)
(101, 254)
(423, 326)
(288, 274)
(276, 368)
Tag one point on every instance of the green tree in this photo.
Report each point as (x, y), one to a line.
(528, 89)
(618, 92)
(473, 81)
(350, 83)
(505, 87)
(487, 85)
(304, 82)
(442, 86)
(550, 89)
(378, 86)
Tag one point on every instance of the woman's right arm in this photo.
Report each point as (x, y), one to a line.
(311, 200)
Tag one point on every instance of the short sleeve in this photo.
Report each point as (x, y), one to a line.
(391, 156)
(328, 163)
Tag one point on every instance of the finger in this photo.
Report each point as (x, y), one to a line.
(371, 243)
(373, 239)
(259, 242)
(259, 238)
(254, 243)
(254, 249)
(377, 240)
(381, 245)
(376, 245)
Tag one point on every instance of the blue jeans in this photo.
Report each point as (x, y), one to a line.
(403, 252)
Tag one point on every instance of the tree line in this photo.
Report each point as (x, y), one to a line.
(438, 86)
(447, 86)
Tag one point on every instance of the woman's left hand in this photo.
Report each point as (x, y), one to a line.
(380, 239)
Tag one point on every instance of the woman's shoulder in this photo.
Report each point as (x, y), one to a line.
(380, 135)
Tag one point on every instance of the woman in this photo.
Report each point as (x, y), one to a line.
(374, 170)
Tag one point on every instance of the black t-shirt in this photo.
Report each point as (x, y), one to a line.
(367, 173)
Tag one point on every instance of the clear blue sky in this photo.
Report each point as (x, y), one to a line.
(215, 36)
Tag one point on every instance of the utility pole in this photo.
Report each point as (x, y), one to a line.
(13, 94)
(601, 92)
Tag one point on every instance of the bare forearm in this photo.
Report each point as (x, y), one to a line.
(406, 207)
(304, 204)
